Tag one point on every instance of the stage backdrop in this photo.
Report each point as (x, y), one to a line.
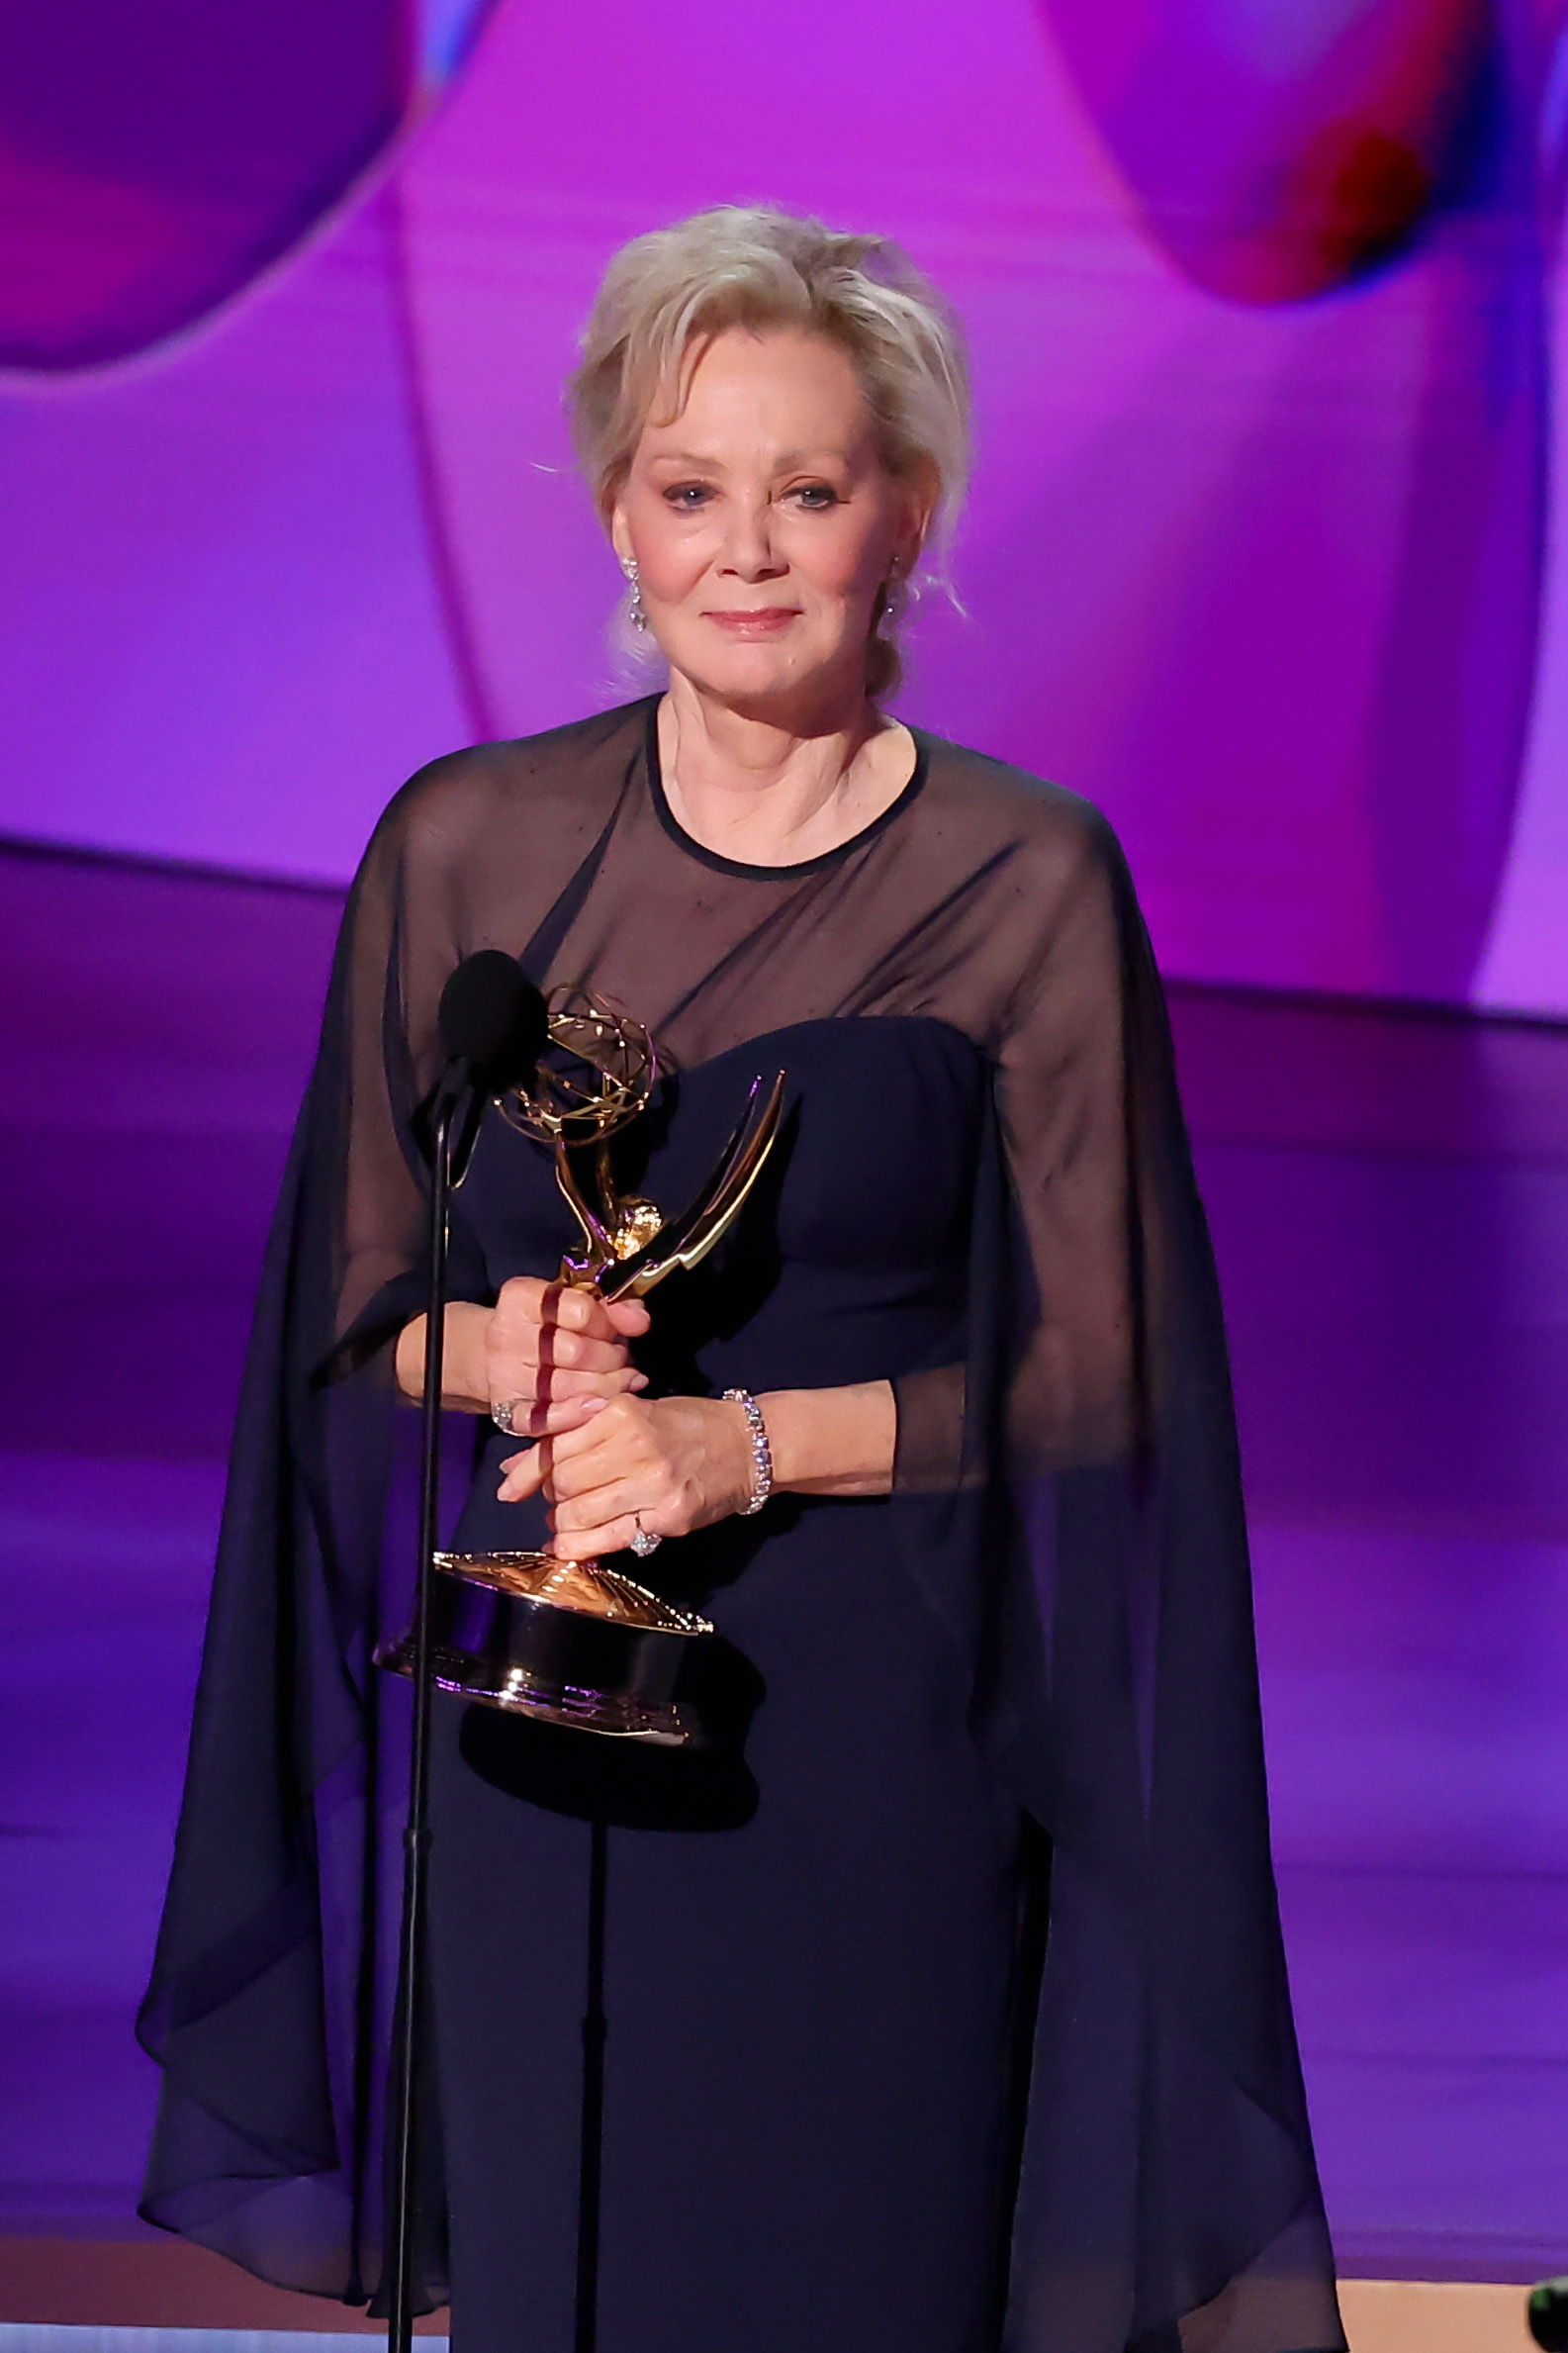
(1262, 296)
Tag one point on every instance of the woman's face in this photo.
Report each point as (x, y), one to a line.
(763, 521)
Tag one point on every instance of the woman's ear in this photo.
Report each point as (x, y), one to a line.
(916, 523)
(619, 535)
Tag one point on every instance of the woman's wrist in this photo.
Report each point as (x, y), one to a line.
(465, 1388)
(832, 1441)
(759, 1451)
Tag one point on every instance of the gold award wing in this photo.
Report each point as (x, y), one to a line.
(686, 1241)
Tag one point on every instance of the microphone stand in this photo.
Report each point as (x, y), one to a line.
(416, 1832)
(590, 2158)
(417, 1848)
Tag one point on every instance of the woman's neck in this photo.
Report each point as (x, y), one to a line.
(773, 794)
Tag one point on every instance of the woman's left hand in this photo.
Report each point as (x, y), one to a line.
(673, 1463)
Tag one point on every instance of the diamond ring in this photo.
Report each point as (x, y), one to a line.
(502, 1415)
(644, 1541)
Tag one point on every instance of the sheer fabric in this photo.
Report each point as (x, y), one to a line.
(1066, 1475)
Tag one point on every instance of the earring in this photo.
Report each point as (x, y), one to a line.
(893, 599)
(637, 615)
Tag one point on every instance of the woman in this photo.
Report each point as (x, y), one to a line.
(946, 1995)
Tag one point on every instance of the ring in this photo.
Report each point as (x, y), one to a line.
(643, 1541)
(502, 1415)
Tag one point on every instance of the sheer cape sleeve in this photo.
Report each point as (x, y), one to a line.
(1168, 2195)
(1066, 1485)
(269, 2007)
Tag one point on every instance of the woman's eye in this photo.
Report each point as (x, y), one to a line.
(815, 495)
(686, 494)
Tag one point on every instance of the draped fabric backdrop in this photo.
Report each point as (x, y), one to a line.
(1263, 304)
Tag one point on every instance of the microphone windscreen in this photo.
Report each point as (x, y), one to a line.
(493, 1017)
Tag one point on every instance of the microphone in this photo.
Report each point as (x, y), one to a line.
(493, 1026)
(492, 1023)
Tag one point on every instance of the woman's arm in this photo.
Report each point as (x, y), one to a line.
(464, 1380)
(832, 1441)
(675, 1463)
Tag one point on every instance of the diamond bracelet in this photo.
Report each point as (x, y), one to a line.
(761, 1452)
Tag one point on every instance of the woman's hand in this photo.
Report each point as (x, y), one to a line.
(547, 1349)
(673, 1463)
(681, 1463)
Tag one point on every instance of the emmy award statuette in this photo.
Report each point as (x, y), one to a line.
(575, 1642)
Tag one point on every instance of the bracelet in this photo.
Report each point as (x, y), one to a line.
(761, 1450)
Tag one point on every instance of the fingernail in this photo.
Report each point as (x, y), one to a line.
(639, 1381)
(590, 1405)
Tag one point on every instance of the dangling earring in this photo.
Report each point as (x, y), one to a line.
(893, 599)
(637, 617)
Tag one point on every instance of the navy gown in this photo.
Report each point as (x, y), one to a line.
(947, 2002)
(814, 1924)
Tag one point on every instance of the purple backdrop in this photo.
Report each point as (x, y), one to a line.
(1262, 303)
(1265, 303)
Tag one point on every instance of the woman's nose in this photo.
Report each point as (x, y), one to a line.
(749, 551)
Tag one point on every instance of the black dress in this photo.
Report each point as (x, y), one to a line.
(947, 2003)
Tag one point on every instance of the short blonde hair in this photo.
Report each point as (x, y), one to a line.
(666, 295)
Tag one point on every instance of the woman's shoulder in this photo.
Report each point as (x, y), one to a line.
(1005, 809)
(563, 772)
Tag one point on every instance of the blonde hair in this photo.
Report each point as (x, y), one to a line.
(666, 295)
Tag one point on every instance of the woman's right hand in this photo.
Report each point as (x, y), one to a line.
(552, 1353)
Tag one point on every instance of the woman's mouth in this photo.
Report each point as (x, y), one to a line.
(763, 620)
